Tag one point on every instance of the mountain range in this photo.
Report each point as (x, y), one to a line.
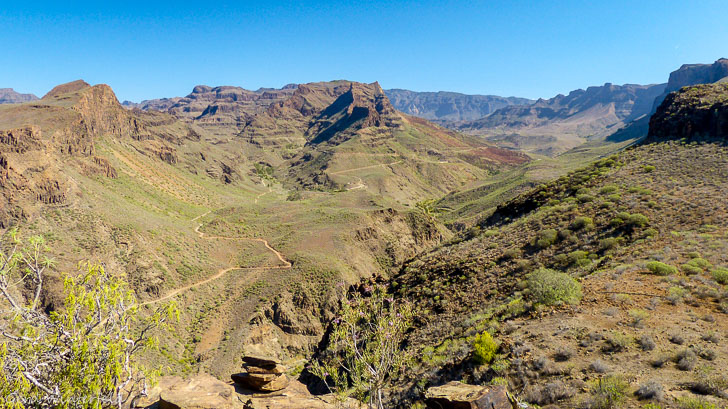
(9, 96)
(254, 210)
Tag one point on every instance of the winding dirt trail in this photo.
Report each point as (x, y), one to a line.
(366, 167)
(285, 264)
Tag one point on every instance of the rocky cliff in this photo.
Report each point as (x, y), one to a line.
(693, 74)
(699, 111)
(9, 96)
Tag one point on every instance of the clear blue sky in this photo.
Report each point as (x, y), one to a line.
(524, 48)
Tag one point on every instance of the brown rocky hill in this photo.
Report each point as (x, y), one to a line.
(9, 96)
(41, 138)
(447, 108)
(699, 111)
(221, 110)
(347, 135)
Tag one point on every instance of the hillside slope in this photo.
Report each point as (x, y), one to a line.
(644, 235)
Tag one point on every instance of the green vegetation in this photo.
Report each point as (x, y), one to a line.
(484, 348)
(81, 356)
(608, 392)
(367, 338)
(661, 269)
(720, 274)
(551, 287)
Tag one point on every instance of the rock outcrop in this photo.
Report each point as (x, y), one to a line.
(262, 375)
(693, 74)
(456, 395)
(699, 111)
(200, 392)
(9, 96)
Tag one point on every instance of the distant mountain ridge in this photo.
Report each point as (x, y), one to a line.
(444, 106)
(10, 96)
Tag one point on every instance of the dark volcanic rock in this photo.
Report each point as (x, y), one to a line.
(692, 112)
(694, 74)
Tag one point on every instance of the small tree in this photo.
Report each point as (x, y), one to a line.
(79, 356)
(366, 347)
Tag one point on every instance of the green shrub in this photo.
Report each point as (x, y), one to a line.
(700, 263)
(649, 168)
(585, 198)
(608, 392)
(608, 243)
(546, 238)
(582, 222)
(608, 189)
(484, 348)
(661, 269)
(636, 220)
(720, 274)
(551, 287)
(690, 269)
(579, 258)
(689, 402)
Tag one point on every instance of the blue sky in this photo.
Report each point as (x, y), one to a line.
(523, 48)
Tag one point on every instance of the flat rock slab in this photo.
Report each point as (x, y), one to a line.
(260, 382)
(199, 392)
(260, 362)
(457, 395)
(276, 369)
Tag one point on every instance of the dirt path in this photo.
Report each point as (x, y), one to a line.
(284, 266)
(365, 167)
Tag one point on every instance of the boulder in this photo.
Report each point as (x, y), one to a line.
(457, 395)
(260, 362)
(261, 382)
(276, 369)
(199, 392)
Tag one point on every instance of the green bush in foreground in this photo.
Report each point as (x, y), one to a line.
(608, 392)
(81, 355)
(551, 287)
(661, 269)
(720, 274)
(484, 348)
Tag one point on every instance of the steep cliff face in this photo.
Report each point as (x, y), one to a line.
(362, 106)
(692, 112)
(222, 110)
(42, 140)
(693, 74)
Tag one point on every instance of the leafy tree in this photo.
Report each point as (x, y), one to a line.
(366, 347)
(79, 356)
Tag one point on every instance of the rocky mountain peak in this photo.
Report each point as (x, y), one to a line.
(66, 88)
